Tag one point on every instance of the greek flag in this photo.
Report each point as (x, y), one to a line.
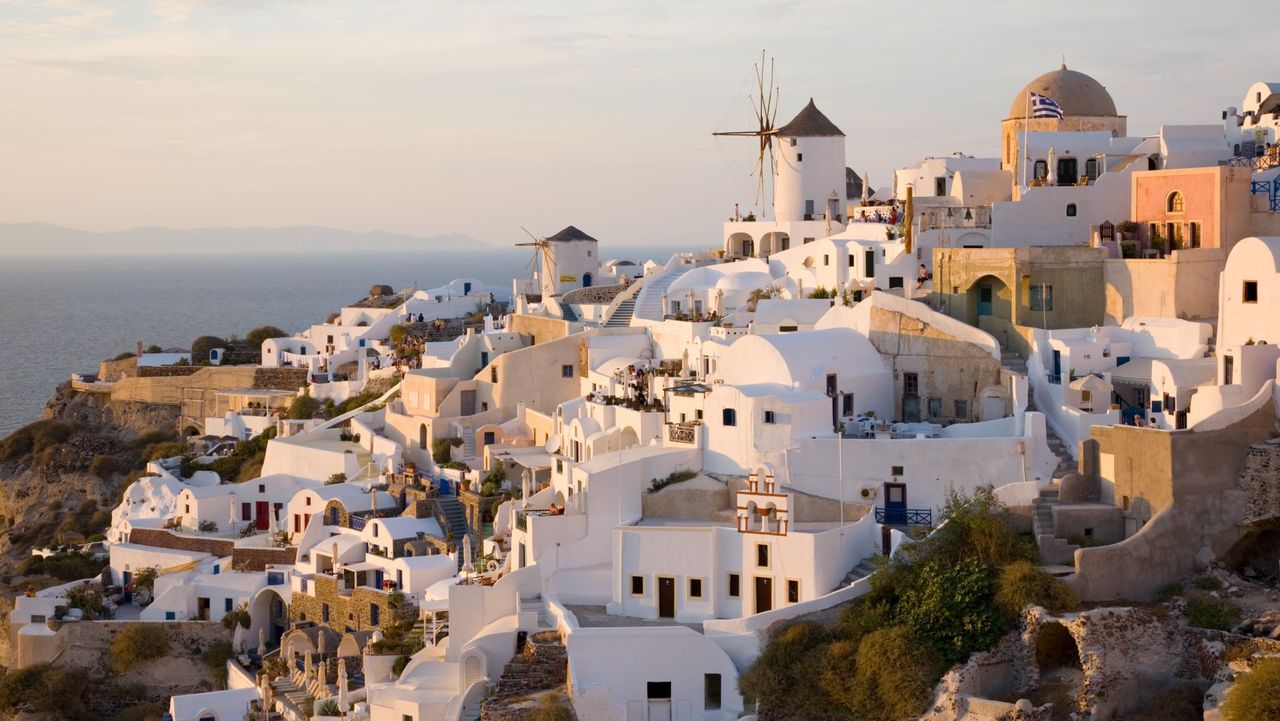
(1045, 107)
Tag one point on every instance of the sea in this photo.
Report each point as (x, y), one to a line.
(63, 314)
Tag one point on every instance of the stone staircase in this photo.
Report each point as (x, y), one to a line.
(621, 316)
(865, 568)
(534, 604)
(1053, 550)
(542, 666)
(649, 301)
(1066, 464)
(468, 445)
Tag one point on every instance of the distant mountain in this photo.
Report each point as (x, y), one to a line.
(45, 239)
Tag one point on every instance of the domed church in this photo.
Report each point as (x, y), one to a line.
(1086, 106)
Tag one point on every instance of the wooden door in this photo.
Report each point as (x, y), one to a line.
(895, 504)
(263, 509)
(764, 594)
(666, 597)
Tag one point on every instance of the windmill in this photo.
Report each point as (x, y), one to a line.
(545, 259)
(764, 105)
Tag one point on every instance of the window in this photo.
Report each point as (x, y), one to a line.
(697, 414)
(659, 689)
(188, 507)
(227, 605)
(762, 555)
(1041, 170)
(170, 615)
(1091, 167)
(869, 264)
(405, 717)
(940, 186)
(493, 374)
(935, 407)
(375, 614)
(962, 409)
(308, 503)
(637, 585)
(711, 691)
(808, 240)
(910, 384)
(729, 417)
(1041, 297)
(826, 259)
(769, 417)
(1194, 232)
(788, 328)
(896, 471)
(799, 157)
(1250, 294)
(695, 588)
(1175, 203)
(324, 613)
(851, 264)
(566, 371)
(262, 488)
(735, 586)
(793, 592)
(895, 281)
(246, 511)
(1071, 210)
(846, 403)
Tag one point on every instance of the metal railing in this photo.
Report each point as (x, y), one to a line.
(904, 516)
(969, 216)
(682, 433)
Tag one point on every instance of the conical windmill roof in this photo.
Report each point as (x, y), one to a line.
(810, 123)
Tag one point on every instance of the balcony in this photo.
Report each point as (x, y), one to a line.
(904, 516)
(683, 433)
(970, 216)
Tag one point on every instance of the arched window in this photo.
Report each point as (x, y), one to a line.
(1175, 202)
(422, 436)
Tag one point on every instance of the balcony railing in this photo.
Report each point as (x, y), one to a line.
(1055, 378)
(971, 216)
(682, 433)
(904, 516)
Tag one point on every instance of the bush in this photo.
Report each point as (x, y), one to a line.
(1207, 583)
(894, 676)
(788, 673)
(57, 692)
(68, 566)
(256, 336)
(674, 477)
(1205, 611)
(161, 451)
(552, 707)
(302, 408)
(1254, 694)
(952, 608)
(396, 335)
(240, 617)
(103, 467)
(398, 666)
(335, 479)
(216, 657)
(1022, 583)
(328, 707)
(208, 526)
(440, 449)
(88, 598)
(201, 346)
(136, 644)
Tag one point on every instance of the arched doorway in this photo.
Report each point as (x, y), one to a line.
(270, 612)
(422, 436)
(774, 242)
(586, 280)
(741, 245)
(989, 297)
(629, 438)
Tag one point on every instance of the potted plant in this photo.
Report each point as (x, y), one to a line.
(1128, 229)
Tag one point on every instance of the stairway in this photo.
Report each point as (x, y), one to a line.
(865, 568)
(1066, 464)
(649, 301)
(542, 666)
(621, 317)
(1053, 550)
(468, 445)
(532, 604)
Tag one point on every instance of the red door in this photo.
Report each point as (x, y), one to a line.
(263, 509)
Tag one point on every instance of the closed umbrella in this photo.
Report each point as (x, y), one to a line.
(262, 641)
(306, 664)
(320, 643)
(342, 685)
(466, 550)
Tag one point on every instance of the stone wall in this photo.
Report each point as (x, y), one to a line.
(347, 611)
(281, 379)
(542, 667)
(170, 390)
(114, 370)
(248, 559)
(1260, 481)
(167, 371)
(541, 329)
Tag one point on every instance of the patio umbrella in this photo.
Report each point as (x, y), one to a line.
(272, 528)
(320, 643)
(342, 684)
(524, 489)
(1052, 178)
(262, 641)
(233, 512)
(306, 664)
(466, 550)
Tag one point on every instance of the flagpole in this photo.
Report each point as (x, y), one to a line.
(1022, 149)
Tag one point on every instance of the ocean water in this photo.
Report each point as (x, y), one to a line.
(62, 315)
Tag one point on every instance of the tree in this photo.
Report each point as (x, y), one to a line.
(256, 336)
(302, 408)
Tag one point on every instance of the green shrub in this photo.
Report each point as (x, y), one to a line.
(136, 644)
(1207, 583)
(674, 477)
(335, 479)
(58, 693)
(88, 598)
(397, 334)
(256, 336)
(953, 609)
(238, 617)
(979, 527)
(894, 677)
(1205, 611)
(126, 354)
(328, 707)
(788, 673)
(1168, 593)
(68, 566)
(398, 666)
(103, 467)
(552, 707)
(441, 447)
(153, 437)
(216, 657)
(201, 346)
(1254, 694)
(302, 408)
(161, 451)
(208, 526)
(1022, 583)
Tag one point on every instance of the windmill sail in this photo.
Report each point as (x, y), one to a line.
(764, 106)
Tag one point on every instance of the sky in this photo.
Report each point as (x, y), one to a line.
(481, 117)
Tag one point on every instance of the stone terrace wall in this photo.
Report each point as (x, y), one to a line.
(1260, 480)
(114, 370)
(281, 379)
(248, 559)
(167, 371)
(352, 610)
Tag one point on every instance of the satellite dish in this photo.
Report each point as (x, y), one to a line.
(553, 443)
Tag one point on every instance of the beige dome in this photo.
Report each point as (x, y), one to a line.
(1077, 93)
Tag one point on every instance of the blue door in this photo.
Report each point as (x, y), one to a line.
(377, 578)
(126, 578)
(1057, 366)
(984, 299)
(466, 288)
(895, 504)
(586, 280)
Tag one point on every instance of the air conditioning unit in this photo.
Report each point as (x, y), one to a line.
(869, 491)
